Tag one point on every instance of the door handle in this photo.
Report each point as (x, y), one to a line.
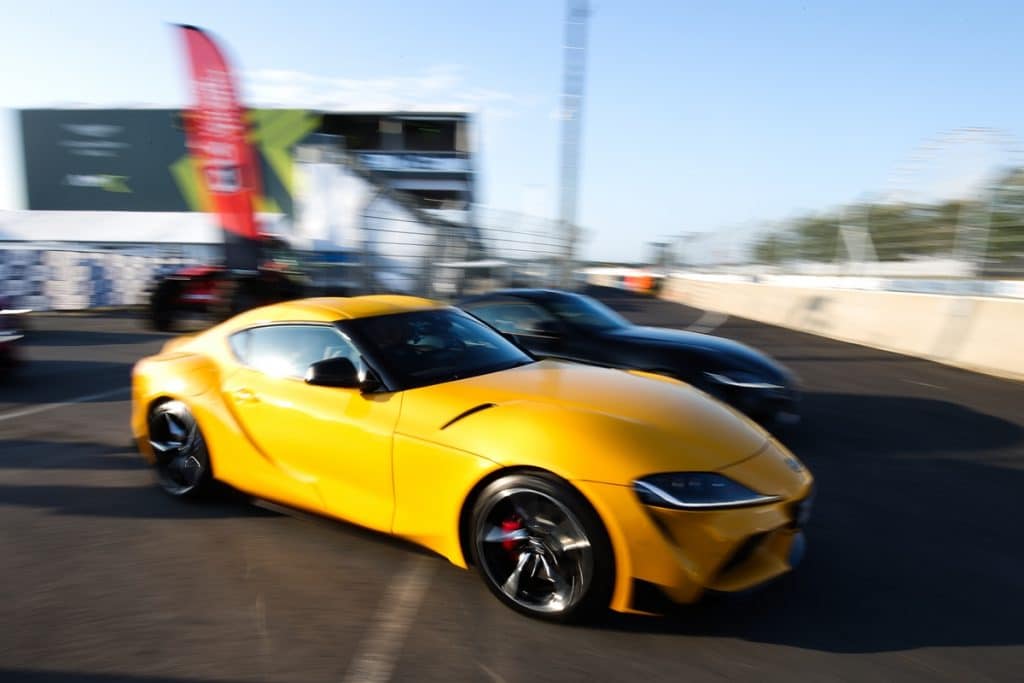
(244, 396)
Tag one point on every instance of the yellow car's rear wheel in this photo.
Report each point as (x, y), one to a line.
(541, 549)
(182, 459)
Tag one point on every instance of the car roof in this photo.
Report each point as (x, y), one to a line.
(535, 294)
(330, 309)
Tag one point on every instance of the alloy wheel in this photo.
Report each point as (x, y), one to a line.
(535, 550)
(181, 462)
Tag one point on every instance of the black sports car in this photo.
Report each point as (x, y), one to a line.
(566, 325)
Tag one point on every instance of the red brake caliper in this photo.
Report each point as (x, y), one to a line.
(508, 526)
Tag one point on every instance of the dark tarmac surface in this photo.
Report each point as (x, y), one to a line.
(914, 571)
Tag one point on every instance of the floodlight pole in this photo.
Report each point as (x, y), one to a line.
(572, 109)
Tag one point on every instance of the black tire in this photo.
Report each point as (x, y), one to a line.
(549, 556)
(161, 305)
(182, 465)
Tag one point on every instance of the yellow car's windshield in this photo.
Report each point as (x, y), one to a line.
(430, 347)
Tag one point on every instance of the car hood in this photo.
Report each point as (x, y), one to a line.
(597, 423)
(730, 354)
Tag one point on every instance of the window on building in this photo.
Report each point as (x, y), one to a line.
(360, 132)
(429, 136)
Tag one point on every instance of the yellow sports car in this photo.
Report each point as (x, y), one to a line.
(570, 488)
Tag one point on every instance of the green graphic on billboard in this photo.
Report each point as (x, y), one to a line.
(136, 159)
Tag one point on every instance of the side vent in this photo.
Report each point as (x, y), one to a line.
(467, 413)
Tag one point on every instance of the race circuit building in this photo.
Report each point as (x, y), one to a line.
(131, 170)
(95, 199)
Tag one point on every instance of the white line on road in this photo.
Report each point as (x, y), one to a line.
(708, 321)
(396, 613)
(71, 401)
(923, 384)
(493, 675)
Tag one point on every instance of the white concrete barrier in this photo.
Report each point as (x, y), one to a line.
(976, 333)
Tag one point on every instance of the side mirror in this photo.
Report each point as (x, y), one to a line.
(334, 372)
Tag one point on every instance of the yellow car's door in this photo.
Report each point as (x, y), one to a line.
(336, 440)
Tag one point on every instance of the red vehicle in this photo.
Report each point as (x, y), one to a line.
(212, 291)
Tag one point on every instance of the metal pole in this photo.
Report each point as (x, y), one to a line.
(572, 111)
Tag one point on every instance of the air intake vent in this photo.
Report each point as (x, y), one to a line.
(467, 413)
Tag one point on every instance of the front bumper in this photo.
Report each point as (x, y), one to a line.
(764, 405)
(681, 554)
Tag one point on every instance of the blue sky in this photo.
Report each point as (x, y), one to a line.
(699, 116)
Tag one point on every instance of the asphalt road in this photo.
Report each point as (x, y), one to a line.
(915, 565)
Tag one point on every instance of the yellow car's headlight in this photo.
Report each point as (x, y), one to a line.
(696, 491)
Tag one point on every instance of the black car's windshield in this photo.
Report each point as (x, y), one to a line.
(429, 347)
(586, 313)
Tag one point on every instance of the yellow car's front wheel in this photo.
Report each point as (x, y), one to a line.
(541, 548)
(182, 459)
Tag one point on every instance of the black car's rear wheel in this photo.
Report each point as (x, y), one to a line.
(541, 548)
(182, 459)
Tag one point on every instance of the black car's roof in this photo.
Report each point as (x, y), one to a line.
(535, 294)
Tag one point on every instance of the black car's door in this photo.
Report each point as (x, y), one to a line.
(589, 346)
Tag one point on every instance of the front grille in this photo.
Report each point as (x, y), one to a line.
(743, 552)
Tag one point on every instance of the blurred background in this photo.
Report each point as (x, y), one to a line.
(446, 147)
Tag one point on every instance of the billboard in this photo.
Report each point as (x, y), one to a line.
(137, 159)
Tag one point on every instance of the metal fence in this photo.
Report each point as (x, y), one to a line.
(432, 255)
(980, 237)
(919, 225)
(401, 250)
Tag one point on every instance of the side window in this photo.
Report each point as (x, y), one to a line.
(239, 342)
(512, 317)
(289, 350)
